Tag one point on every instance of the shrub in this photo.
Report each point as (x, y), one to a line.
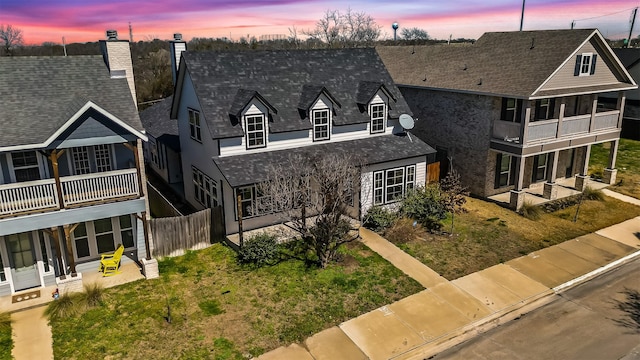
(402, 231)
(425, 204)
(379, 218)
(531, 211)
(259, 250)
(65, 306)
(93, 294)
(590, 193)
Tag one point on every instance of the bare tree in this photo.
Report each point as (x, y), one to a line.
(313, 193)
(352, 28)
(414, 33)
(10, 37)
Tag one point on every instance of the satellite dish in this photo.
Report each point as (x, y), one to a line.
(406, 121)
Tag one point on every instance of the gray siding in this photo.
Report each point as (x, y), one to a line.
(564, 78)
(49, 279)
(461, 123)
(5, 289)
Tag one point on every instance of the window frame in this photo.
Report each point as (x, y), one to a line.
(538, 166)
(80, 160)
(13, 168)
(103, 156)
(249, 133)
(516, 117)
(586, 62)
(195, 124)
(316, 126)
(374, 119)
(205, 189)
(381, 184)
(90, 233)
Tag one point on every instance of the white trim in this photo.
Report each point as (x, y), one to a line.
(314, 125)
(69, 122)
(262, 116)
(584, 56)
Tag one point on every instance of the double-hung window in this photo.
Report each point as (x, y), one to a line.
(390, 185)
(103, 157)
(25, 166)
(585, 64)
(195, 130)
(80, 158)
(511, 109)
(321, 124)
(254, 202)
(544, 109)
(204, 188)
(504, 170)
(540, 163)
(256, 131)
(377, 118)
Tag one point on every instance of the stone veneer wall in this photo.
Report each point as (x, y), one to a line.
(461, 123)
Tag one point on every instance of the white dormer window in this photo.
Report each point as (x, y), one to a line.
(255, 131)
(320, 124)
(377, 112)
(585, 64)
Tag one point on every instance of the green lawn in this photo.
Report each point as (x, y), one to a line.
(6, 343)
(627, 163)
(221, 310)
(488, 234)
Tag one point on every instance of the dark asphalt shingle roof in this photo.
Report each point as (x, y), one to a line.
(157, 122)
(628, 57)
(38, 94)
(249, 169)
(505, 63)
(285, 80)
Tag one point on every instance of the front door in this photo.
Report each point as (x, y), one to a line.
(22, 257)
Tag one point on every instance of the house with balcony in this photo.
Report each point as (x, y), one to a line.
(239, 112)
(630, 58)
(516, 112)
(71, 182)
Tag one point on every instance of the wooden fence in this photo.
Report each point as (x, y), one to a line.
(173, 235)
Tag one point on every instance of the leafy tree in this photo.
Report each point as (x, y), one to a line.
(414, 33)
(313, 193)
(10, 38)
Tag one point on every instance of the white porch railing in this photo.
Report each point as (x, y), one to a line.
(606, 120)
(547, 129)
(28, 196)
(99, 186)
(41, 195)
(575, 125)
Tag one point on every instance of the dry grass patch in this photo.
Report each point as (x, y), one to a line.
(488, 234)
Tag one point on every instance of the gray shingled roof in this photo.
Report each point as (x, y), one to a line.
(504, 63)
(628, 57)
(249, 169)
(280, 77)
(38, 94)
(158, 123)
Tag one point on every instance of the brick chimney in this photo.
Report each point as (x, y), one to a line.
(117, 56)
(177, 46)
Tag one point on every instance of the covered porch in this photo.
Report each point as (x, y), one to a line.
(534, 194)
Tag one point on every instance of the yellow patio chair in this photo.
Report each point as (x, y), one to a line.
(110, 263)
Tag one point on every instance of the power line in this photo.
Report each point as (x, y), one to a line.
(599, 16)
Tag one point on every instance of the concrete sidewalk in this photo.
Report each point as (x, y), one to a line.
(31, 334)
(449, 312)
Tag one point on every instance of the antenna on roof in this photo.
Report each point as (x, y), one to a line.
(407, 123)
(533, 43)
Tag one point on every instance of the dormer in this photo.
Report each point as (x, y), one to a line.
(375, 99)
(319, 106)
(253, 112)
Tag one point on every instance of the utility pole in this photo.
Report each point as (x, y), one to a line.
(633, 21)
(573, 24)
(522, 16)
(130, 33)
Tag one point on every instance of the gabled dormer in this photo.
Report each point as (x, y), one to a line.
(319, 106)
(253, 113)
(375, 99)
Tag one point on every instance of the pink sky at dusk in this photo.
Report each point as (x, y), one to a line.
(86, 20)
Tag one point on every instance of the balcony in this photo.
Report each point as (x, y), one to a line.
(552, 130)
(79, 190)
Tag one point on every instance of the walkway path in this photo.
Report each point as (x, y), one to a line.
(622, 197)
(449, 312)
(31, 335)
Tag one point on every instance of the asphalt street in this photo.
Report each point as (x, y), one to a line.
(598, 320)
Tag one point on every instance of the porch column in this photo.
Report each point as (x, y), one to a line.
(594, 107)
(55, 235)
(55, 155)
(525, 119)
(68, 229)
(563, 104)
(610, 172)
(582, 178)
(620, 106)
(145, 230)
(550, 187)
(135, 149)
(517, 195)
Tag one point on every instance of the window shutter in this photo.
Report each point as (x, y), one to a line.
(496, 183)
(576, 70)
(552, 109)
(519, 110)
(593, 64)
(503, 110)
